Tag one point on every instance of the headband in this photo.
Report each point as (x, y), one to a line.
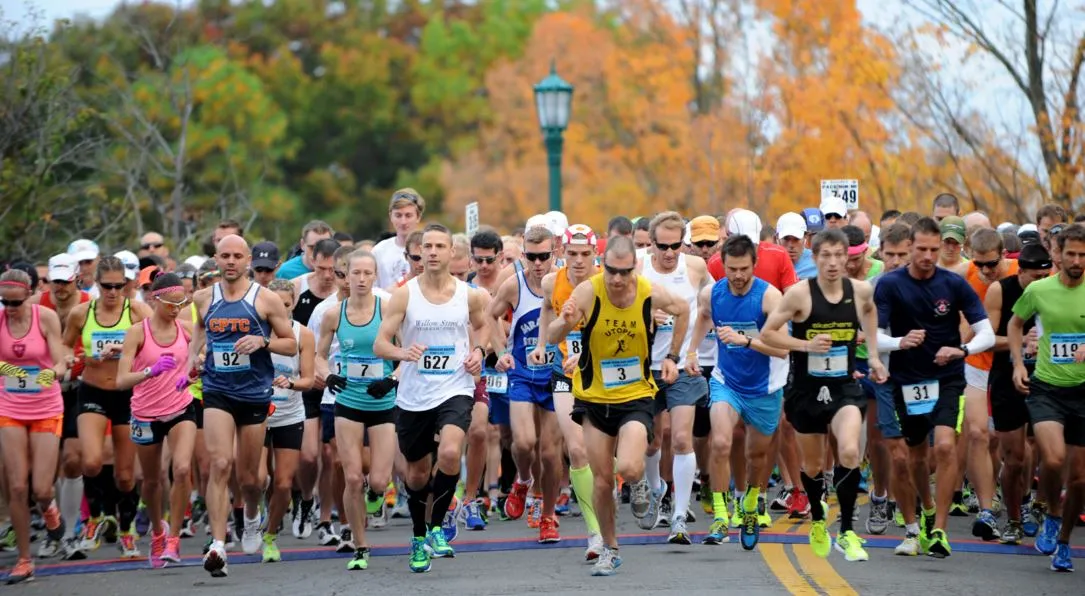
(166, 290)
(17, 284)
(857, 250)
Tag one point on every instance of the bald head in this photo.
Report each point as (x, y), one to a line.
(977, 219)
(861, 220)
(233, 243)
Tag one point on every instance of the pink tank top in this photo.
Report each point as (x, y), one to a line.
(158, 397)
(24, 399)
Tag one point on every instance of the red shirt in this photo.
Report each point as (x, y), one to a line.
(46, 301)
(773, 265)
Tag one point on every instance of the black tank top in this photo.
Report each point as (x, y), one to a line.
(1011, 292)
(841, 322)
(307, 302)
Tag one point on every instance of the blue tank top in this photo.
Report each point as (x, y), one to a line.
(358, 364)
(244, 377)
(524, 336)
(744, 370)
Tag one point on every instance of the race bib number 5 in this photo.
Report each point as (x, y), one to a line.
(831, 364)
(437, 360)
(27, 384)
(1064, 345)
(620, 372)
(227, 359)
(919, 398)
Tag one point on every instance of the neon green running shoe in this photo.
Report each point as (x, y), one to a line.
(373, 502)
(939, 545)
(360, 562)
(271, 549)
(419, 555)
(819, 539)
(851, 546)
(438, 544)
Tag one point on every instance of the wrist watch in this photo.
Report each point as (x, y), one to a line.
(964, 348)
(147, 372)
(673, 358)
(291, 384)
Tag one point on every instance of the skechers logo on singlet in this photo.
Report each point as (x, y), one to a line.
(838, 331)
(228, 325)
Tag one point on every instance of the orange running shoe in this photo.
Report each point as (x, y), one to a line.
(534, 513)
(22, 572)
(548, 531)
(517, 500)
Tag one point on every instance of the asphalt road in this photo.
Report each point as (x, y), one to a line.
(505, 559)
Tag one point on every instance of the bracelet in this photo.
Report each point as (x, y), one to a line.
(749, 341)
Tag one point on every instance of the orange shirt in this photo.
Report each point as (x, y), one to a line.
(983, 360)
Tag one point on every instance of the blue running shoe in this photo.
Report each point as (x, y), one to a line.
(1032, 519)
(143, 521)
(420, 560)
(985, 527)
(751, 530)
(473, 519)
(1047, 539)
(437, 545)
(1060, 561)
(450, 527)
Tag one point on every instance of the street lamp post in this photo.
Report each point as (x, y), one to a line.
(553, 101)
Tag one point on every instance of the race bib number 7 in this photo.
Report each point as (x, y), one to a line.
(1064, 345)
(437, 360)
(364, 369)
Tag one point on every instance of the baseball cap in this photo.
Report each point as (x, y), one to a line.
(83, 249)
(62, 267)
(265, 255)
(539, 220)
(815, 221)
(1006, 226)
(147, 275)
(558, 222)
(580, 234)
(1034, 256)
(834, 206)
(131, 264)
(952, 227)
(196, 261)
(745, 223)
(792, 225)
(704, 227)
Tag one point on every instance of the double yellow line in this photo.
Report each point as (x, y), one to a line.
(812, 574)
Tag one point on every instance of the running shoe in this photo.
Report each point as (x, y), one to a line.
(472, 516)
(7, 538)
(800, 505)
(401, 509)
(820, 541)
(188, 528)
(607, 564)
(939, 545)
(450, 525)
(751, 531)
(666, 511)
(172, 554)
(129, 548)
(640, 498)
(437, 545)
(736, 517)
(420, 559)
(1011, 533)
(851, 546)
(877, 521)
(22, 572)
(271, 549)
(561, 506)
(985, 526)
(595, 548)
(1033, 519)
(325, 534)
(679, 534)
(1047, 539)
(360, 562)
(72, 550)
(54, 538)
(972, 501)
(898, 518)
(158, 546)
(110, 529)
(706, 498)
(958, 509)
(143, 521)
(92, 534)
(763, 517)
(654, 514)
(717, 532)
(214, 562)
(548, 531)
(782, 502)
(251, 537)
(909, 547)
(373, 502)
(380, 520)
(346, 540)
(517, 500)
(534, 513)
(303, 521)
(1061, 561)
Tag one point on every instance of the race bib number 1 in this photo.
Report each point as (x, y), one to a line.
(1064, 345)
(620, 372)
(141, 432)
(437, 360)
(831, 364)
(919, 398)
(27, 384)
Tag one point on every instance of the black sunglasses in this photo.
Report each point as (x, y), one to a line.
(414, 258)
(618, 270)
(151, 245)
(537, 256)
(12, 303)
(665, 247)
(987, 264)
(705, 243)
(112, 286)
(487, 260)
(340, 275)
(263, 269)
(62, 282)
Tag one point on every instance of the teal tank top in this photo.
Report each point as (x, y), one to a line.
(358, 364)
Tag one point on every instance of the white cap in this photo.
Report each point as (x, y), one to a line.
(558, 222)
(540, 221)
(746, 223)
(83, 250)
(791, 224)
(1027, 228)
(196, 261)
(687, 239)
(834, 205)
(63, 267)
(1006, 226)
(131, 264)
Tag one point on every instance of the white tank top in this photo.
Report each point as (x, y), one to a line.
(439, 375)
(676, 282)
(706, 352)
(289, 408)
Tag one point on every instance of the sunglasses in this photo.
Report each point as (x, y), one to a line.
(340, 274)
(11, 303)
(263, 269)
(187, 275)
(112, 286)
(403, 195)
(62, 282)
(180, 304)
(705, 243)
(210, 274)
(487, 260)
(151, 245)
(618, 270)
(987, 264)
(414, 258)
(537, 256)
(665, 247)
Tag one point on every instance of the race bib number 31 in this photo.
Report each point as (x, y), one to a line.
(919, 398)
(1064, 345)
(437, 360)
(832, 364)
(27, 384)
(620, 372)
(227, 359)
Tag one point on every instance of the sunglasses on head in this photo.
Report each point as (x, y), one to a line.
(705, 243)
(665, 247)
(414, 258)
(340, 274)
(11, 303)
(404, 195)
(111, 286)
(210, 274)
(537, 256)
(487, 260)
(622, 271)
(151, 245)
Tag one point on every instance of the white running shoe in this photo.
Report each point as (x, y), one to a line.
(252, 539)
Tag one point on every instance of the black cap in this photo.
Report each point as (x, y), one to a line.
(1029, 237)
(1033, 256)
(265, 255)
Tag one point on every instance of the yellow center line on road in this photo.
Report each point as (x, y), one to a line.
(776, 558)
(821, 572)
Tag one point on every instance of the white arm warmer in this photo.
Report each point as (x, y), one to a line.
(984, 339)
(887, 343)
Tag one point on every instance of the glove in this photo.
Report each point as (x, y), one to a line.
(381, 388)
(165, 363)
(10, 370)
(46, 378)
(182, 383)
(335, 383)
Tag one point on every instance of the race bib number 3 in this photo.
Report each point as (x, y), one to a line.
(437, 360)
(27, 384)
(496, 382)
(919, 398)
(100, 340)
(141, 432)
(1064, 345)
(227, 359)
(831, 364)
(620, 372)
(364, 369)
(745, 329)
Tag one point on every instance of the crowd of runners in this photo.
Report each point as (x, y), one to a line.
(684, 364)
